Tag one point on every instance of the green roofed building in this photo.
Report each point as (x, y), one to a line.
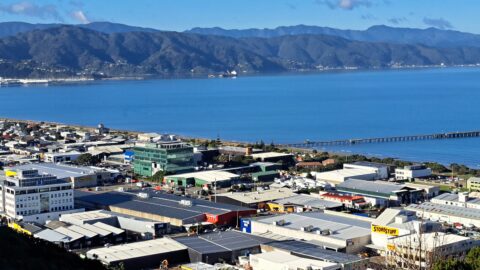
(168, 156)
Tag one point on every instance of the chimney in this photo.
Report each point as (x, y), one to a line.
(248, 151)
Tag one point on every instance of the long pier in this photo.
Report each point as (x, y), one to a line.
(436, 136)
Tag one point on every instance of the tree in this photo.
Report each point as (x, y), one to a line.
(473, 258)
(87, 160)
(158, 176)
(451, 264)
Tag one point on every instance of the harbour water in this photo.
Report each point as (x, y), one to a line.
(282, 109)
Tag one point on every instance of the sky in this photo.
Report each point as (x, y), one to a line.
(179, 15)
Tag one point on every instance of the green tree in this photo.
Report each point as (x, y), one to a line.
(451, 264)
(158, 177)
(87, 160)
(473, 258)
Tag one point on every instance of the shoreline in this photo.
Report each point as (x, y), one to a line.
(229, 142)
(147, 77)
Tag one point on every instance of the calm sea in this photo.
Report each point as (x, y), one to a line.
(282, 109)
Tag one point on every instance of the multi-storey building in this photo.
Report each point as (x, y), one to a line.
(28, 195)
(169, 156)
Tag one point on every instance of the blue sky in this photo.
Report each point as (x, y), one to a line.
(179, 15)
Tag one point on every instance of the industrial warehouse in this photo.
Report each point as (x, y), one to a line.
(328, 229)
(176, 210)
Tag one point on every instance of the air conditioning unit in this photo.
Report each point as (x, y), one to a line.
(279, 222)
(143, 195)
(186, 202)
(307, 228)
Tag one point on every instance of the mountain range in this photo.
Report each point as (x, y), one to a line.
(109, 49)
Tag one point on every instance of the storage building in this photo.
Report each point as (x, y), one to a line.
(158, 206)
(220, 246)
(140, 255)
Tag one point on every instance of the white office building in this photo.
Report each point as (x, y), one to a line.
(412, 172)
(30, 196)
(61, 157)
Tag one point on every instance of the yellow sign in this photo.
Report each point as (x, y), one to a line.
(385, 230)
(391, 247)
(18, 228)
(10, 173)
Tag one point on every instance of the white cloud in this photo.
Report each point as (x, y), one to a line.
(79, 16)
(27, 8)
(345, 4)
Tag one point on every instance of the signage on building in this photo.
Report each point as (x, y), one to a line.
(385, 230)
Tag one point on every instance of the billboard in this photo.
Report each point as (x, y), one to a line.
(385, 230)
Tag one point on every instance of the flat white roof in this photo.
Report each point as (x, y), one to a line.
(89, 215)
(342, 227)
(341, 174)
(429, 240)
(269, 155)
(291, 261)
(259, 196)
(135, 250)
(209, 176)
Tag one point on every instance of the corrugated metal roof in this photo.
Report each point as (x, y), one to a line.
(95, 229)
(450, 210)
(83, 231)
(107, 227)
(72, 234)
(135, 250)
(309, 201)
(315, 252)
(52, 236)
(259, 196)
(341, 227)
(222, 241)
(360, 186)
(158, 203)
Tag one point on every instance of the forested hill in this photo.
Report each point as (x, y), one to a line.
(73, 50)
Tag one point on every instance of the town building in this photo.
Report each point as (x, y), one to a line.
(145, 228)
(273, 157)
(423, 250)
(141, 255)
(221, 246)
(357, 170)
(382, 193)
(179, 211)
(285, 260)
(396, 222)
(30, 196)
(301, 203)
(167, 154)
(254, 199)
(79, 176)
(348, 201)
(473, 184)
(451, 214)
(308, 250)
(328, 229)
(461, 199)
(61, 156)
(412, 172)
(211, 178)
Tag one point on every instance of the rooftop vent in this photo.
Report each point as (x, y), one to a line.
(143, 195)
(308, 228)
(186, 202)
(279, 222)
